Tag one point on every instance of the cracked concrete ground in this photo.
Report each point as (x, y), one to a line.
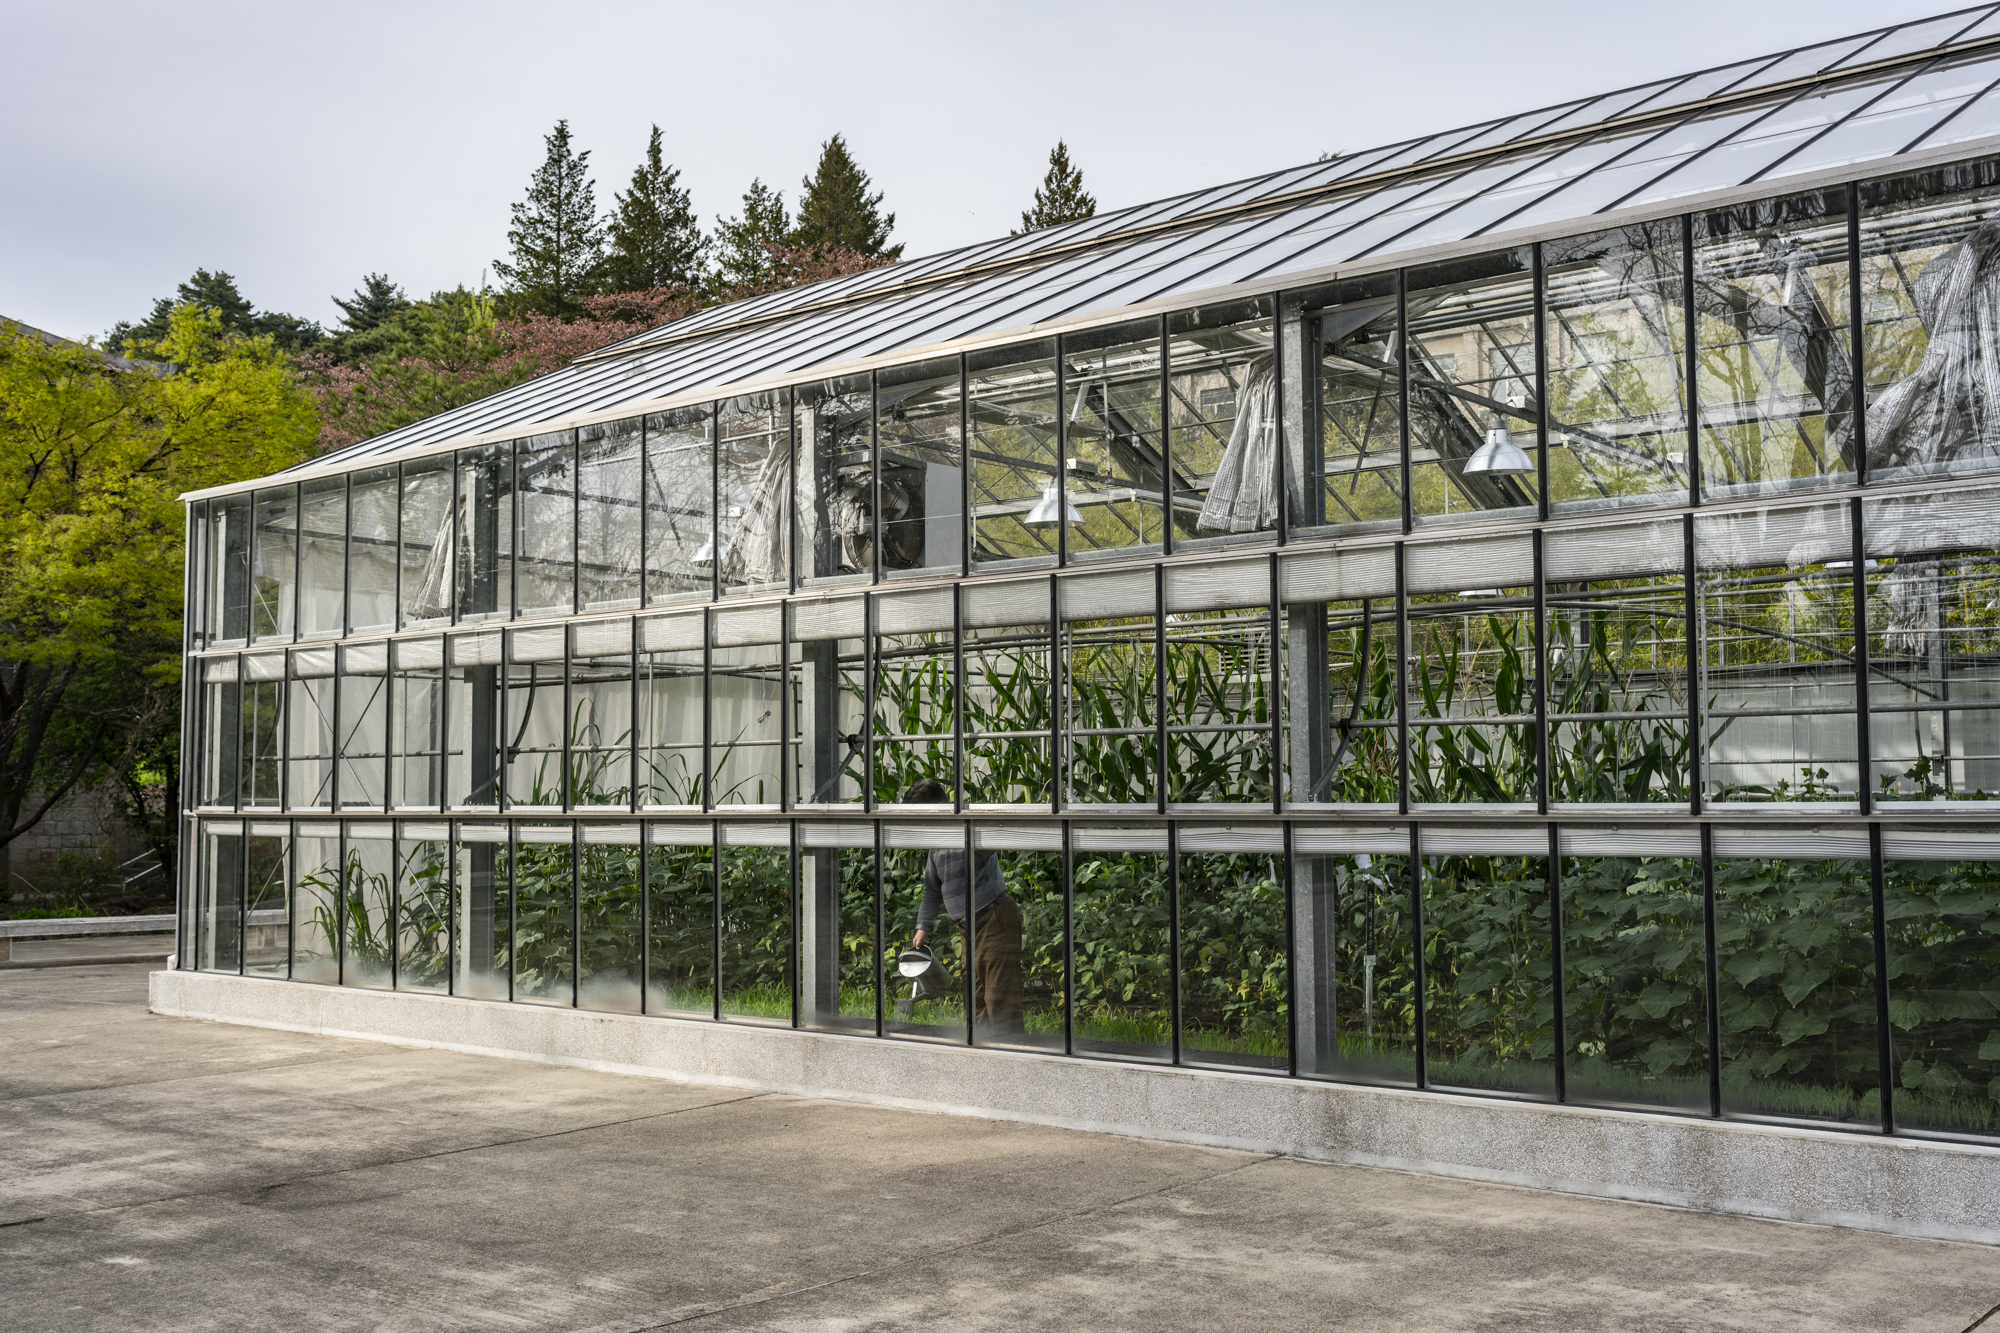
(161, 1173)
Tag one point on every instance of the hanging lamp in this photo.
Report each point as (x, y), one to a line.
(1499, 456)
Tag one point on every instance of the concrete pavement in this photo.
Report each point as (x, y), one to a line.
(161, 1173)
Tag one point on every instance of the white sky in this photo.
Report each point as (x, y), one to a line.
(299, 146)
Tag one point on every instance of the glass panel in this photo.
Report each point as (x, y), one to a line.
(1218, 684)
(274, 564)
(1112, 451)
(371, 551)
(1616, 606)
(1927, 334)
(608, 916)
(745, 703)
(670, 713)
(423, 907)
(1489, 971)
(754, 869)
(219, 916)
(1347, 473)
(418, 717)
(1340, 690)
(316, 903)
(1472, 373)
(1009, 661)
(367, 908)
(837, 960)
(1933, 628)
(1024, 1009)
(221, 713)
(680, 920)
(426, 541)
(835, 485)
(229, 547)
(1899, 119)
(545, 525)
(1222, 410)
(1635, 1008)
(922, 467)
(1794, 946)
(829, 710)
(257, 765)
(680, 504)
(485, 906)
(309, 719)
(1357, 995)
(924, 887)
(600, 715)
(915, 699)
(1124, 966)
(473, 722)
(537, 705)
(607, 521)
(1941, 902)
(323, 561)
(486, 533)
(756, 482)
(1234, 961)
(364, 726)
(1777, 673)
(1014, 415)
(1110, 731)
(1771, 307)
(1617, 331)
(544, 914)
(1471, 685)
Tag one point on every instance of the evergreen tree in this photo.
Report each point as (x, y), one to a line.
(557, 237)
(743, 258)
(1061, 198)
(375, 301)
(655, 240)
(217, 292)
(836, 209)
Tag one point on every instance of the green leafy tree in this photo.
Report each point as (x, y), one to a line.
(1061, 197)
(655, 239)
(837, 212)
(217, 292)
(745, 242)
(557, 240)
(91, 535)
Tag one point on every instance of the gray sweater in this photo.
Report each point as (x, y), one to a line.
(944, 885)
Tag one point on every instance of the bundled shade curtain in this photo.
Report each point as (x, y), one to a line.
(1948, 408)
(756, 549)
(1244, 495)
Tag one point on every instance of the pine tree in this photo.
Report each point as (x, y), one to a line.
(217, 292)
(742, 259)
(836, 209)
(1061, 198)
(557, 237)
(655, 240)
(375, 301)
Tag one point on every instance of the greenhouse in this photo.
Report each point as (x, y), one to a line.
(1513, 613)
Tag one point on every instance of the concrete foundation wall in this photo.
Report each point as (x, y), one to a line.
(1866, 1181)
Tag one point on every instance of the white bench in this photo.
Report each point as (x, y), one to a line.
(68, 926)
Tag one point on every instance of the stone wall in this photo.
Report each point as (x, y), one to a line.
(85, 821)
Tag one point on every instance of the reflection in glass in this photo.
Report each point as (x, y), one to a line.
(1124, 966)
(1617, 354)
(229, 552)
(1234, 960)
(1795, 965)
(371, 550)
(485, 564)
(1775, 378)
(1635, 1009)
(219, 910)
(425, 542)
(680, 504)
(545, 525)
(607, 521)
(1472, 372)
(921, 467)
(835, 487)
(274, 564)
(323, 558)
(1014, 417)
(756, 489)
(1489, 970)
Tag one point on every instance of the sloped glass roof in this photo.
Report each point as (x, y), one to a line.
(1821, 109)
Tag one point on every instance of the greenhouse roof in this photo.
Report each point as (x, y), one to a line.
(1835, 111)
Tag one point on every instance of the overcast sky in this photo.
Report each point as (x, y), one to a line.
(301, 146)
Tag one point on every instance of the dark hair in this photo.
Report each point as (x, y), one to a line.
(928, 791)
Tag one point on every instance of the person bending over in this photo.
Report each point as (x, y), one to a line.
(996, 921)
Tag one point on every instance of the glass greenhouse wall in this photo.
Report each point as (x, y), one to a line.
(1570, 672)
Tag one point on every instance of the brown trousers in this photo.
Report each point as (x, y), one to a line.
(996, 965)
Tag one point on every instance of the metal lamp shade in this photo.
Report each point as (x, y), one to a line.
(1499, 456)
(1043, 515)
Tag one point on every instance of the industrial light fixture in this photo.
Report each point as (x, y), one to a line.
(705, 556)
(1499, 456)
(1043, 515)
